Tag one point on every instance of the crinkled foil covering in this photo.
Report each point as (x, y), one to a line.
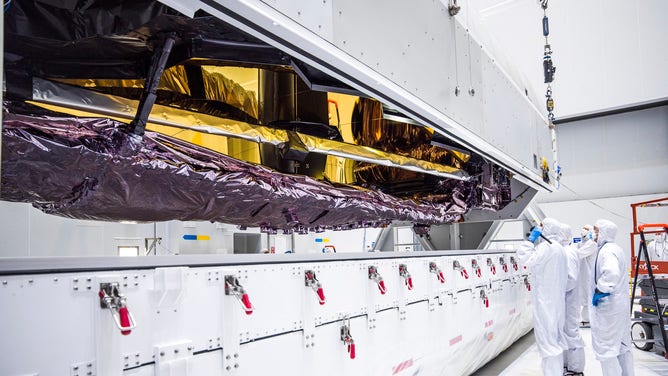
(89, 168)
(218, 133)
(220, 88)
(172, 79)
(224, 97)
(370, 129)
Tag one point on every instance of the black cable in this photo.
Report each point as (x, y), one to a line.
(548, 240)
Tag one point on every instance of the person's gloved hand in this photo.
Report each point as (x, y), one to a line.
(598, 296)
(535, 234)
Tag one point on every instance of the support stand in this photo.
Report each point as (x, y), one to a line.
(643, 252)
(148, 96)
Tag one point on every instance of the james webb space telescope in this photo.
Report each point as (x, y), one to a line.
(147, 114)
(289, 116)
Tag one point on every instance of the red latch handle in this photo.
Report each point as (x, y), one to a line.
(441, 277)
(114, 301)
(478, 272)
(321, 295)
(485, 299)
(234, 288)
(312, 282)
(124, 317)
(515, 267)
(505, 268)
(381, 287)
(248, 307)
(403, 272)
(347, 338)
(465, 274)
(529, 286)
(374, 276)
(493, 268)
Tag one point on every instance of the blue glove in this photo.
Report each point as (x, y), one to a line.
(535, 234)
(598, 296)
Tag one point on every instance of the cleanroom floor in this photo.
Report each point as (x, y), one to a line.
(522, 359)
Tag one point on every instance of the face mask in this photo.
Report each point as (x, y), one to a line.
(535, 234)
(586, 234)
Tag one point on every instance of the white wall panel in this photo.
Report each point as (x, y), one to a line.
(652, 61)
(612, 156)
(314, 15)
(605, 51)
(15, 229)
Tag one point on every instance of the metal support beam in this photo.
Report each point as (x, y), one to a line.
(386, 234)
(148, 96)
(534, 214)
(490, 234)
(454, 236)
(195, 81)
(425, 242)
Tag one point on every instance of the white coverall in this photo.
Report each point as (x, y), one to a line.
(574, 356)
(547, 264)
(658, 248)
(587, 251)
(610, 319)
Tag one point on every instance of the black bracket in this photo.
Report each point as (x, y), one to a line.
(148, 96)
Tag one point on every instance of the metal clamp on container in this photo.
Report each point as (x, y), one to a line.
(514, 262)
(457, 266)
(114, 301)
(492, 267)
(232, 287)
(347, 338)
(311, 281)
(527, 284)
(374, 276)
(403, 272)
(502, 262)
(476, 267)
(485, 299)
(436, 270)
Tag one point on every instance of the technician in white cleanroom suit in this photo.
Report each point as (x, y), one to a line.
(587, 251)
(610, 315)
(574, 357)
(658, 248)
(547, 264)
